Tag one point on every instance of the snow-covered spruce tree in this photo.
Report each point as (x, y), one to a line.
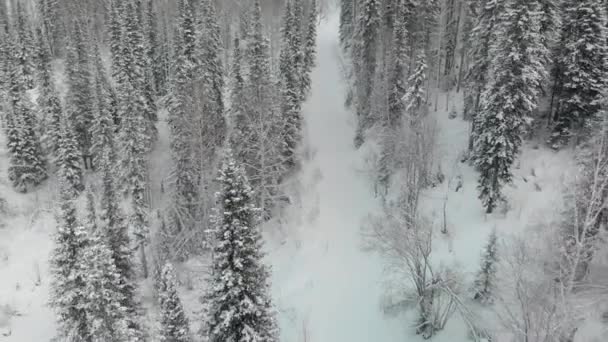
(210, 123)
(4, 45)
(397, 84)
(310, 53)
(79, 99)
(138, 68)
(550, 23)
(106, 306)
(298, 19)
(134, 132)
(26, 45)
(115, 24)
(509, 100)
(244, 21)
(174, 325)
(69, 162)
(115, 229)
(289, 84)
(237, 110)
(485, 281)
(240, 308)
(106, 317)
(51, 24)
(179, 105)
(51, 139)
(261, 146)
(5, 66)
(208, 116)
(397, 90)
(103, 128)
(27, 165)
(483, 35)
(420, 139)
(347, 19)
(68, 279)
(367, 26)
(162, 60)
(155, 49)
(139, 221)
(43, 60)
(582, 59)
(148, 86)
(49, 104)
(414, 100)
(113, 224)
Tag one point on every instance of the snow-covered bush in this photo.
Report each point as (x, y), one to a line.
(532, 304)
(406, 239)
(453, 113)
(405, 155)
(485, 282)
(550, 285)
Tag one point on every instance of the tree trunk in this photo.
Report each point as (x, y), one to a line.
(550, 114)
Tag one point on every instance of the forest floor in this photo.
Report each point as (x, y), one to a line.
(325, 286)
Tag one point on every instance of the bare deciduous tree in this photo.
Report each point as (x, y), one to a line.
(405, 239)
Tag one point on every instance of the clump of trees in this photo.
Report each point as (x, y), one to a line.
(99, 134)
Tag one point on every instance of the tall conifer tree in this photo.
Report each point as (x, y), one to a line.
(510, 99)
(290, 78)
(27, 166)
(310, 52)
(68, 280)
(179, 105)
(174, 325)
(134, 132)
(482, 36)
(210, 123)
(364, 58)
(79, 99)
(485, 281)
(240, 306)
(51, 24)
(27, 53)
(583, 72)
(49, 104)
(103, 127)
(69, 161)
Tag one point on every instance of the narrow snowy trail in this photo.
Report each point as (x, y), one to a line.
(327, 289)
